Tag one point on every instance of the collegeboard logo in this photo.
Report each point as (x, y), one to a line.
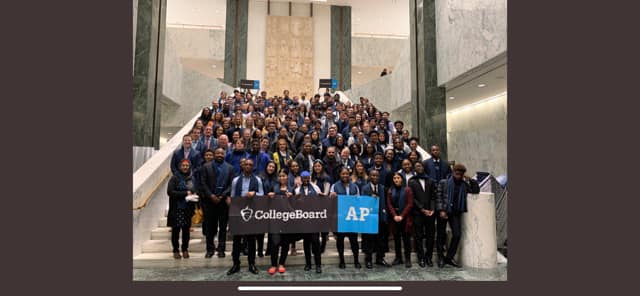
(248, 214)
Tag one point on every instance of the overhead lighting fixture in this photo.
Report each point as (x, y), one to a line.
(483, 101)
(359, 72)
(214, 66)
(451, 98)
(482, 85)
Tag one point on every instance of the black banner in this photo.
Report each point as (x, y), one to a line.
(261, 214)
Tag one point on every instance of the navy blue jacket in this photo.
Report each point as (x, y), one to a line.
(194, 158)
(382, 198)
(430, 169)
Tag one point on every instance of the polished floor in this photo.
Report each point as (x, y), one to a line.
(171, 272)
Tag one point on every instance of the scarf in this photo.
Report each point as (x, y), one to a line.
(253, 184)
(451, 187)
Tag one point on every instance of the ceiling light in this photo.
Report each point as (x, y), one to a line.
(359, 72)
(451, 98)
(482, 85)
(214, 66)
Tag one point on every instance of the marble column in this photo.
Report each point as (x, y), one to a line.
(478, 247)
(427, 99)
(235, 47)
(341, 45)
(148, 72)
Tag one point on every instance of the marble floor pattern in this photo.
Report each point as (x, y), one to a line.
(329, 273)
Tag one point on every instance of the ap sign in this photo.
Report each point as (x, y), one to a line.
(357, 214)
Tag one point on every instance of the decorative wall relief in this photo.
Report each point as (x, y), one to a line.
(289, 55)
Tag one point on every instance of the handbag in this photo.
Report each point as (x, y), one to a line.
(197, 216)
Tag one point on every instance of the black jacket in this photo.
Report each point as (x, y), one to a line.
(423, 199)
(443, 193)
(176, 196)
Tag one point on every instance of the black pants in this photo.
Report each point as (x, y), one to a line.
(323, 242)
(237, 248)
(353, 241)
(311, 243)
(260, 243)
(456, 232)
(222, 217)
(375, 242)
(278, 241)
(424, 226)
(209, 225)
(400, 236)
(175, 234)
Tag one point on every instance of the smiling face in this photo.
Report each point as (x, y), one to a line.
(283, 178)
(344, 176)
(397, 180)
(271, 168)
(184, 167)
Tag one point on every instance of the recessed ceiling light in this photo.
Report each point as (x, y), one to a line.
(359, 72)
(451, 98)
(214, 66)
(482, 85)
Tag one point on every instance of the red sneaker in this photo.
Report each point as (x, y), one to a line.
(281, 269)
(272, 270)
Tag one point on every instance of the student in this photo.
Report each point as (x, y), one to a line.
(181, 207)
(424, 216)
(250, 186)
(345, 187)
(311, 240)
(279, 241)
(451, 202)
(376, 242)
(400, 203)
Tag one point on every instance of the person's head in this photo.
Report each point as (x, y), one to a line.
(247, 166)
(218, 117)
(185, 166)
(354, 149)
(283, 131)
(223, 141)
(418, 167)
(295, 167)
(458, 171)
(264, 144)
(208, 131)
(340, 140)
(359, 168)
(271, 127)
(378, 158)
(382, 138)
(306, 148)
(398, 144)
(344, 175)
(399, 125)
(282, 145)
(318, 167)
(208, 155)
(405, 134)
(219, 131)
(286, 92)
(255, 146)
(199, 124)
(345, 153)
(306, 178)
(226, 123)
(218, 154)
(435, 151)
(331, 152)
(369, 149)
(315, 136)
(271, 168)
(397, 179)
(332, 131)
(186, 142)
(283, 177)
(235, 136)
(407, 166)
(413, 156)
(246, 134)
(413, 144)
(389, 155)
(373, 137)
(293, 126)
(206, 112)
(195, 134)
(374, 176)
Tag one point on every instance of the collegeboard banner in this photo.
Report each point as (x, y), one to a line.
(303, 214)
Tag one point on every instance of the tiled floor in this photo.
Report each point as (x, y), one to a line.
(330, 273)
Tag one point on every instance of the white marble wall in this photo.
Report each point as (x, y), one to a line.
(468, 32)
(186, 87)
(478, 247)
(382, 52)
(197, 43)
(477, 136)
(389, 92)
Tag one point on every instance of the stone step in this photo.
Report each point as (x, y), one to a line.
(330, 257)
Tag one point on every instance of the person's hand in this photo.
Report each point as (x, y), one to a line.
(214, 198)
(333, 195)
(251, 194)
(189, 192)
(397, 218)
(429, 213)
(443, 215)
(289, 194)
(271, 194)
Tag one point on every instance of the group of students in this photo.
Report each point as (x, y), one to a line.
(315, 148)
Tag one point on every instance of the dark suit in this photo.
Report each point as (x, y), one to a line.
(215, 178)
(424, 225)
(437, 172)
(194, 158)
(376, 242)
(202, 144)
